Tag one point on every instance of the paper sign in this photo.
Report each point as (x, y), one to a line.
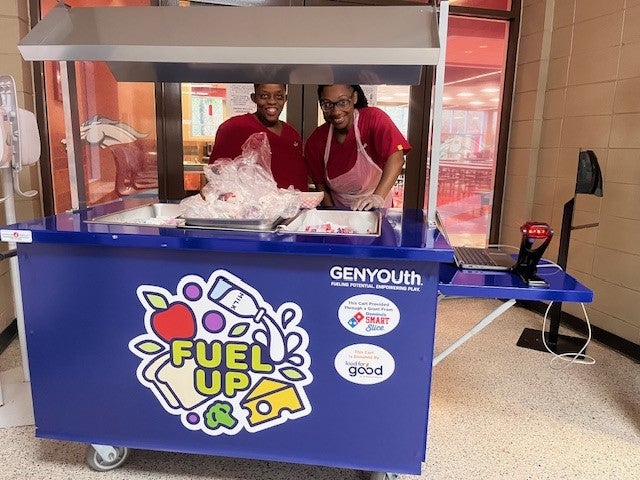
(18, 236)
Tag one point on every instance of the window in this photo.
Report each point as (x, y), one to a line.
(473, 88)
(117, 129)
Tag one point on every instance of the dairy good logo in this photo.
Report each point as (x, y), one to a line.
(369, 315)
(364, 364)
(219, 357)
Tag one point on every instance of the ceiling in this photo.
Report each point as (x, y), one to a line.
(476, 51)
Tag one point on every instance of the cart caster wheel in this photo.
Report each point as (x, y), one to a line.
(100, 464)
(383, 476)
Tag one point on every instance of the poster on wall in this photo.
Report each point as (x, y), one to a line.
(206, 116)
(239, 99)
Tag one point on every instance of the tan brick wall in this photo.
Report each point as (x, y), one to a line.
(581, 61)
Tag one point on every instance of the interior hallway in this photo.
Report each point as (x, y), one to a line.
(497, 411)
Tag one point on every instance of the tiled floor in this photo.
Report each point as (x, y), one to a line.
(497, 411)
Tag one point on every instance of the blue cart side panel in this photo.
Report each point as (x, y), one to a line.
(318, 360)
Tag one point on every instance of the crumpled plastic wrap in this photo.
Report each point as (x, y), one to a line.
(242, 188)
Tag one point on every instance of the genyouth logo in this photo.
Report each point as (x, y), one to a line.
(376, 278)
(375, 275)
(221, 358)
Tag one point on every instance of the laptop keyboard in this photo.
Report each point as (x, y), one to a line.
(473, 256)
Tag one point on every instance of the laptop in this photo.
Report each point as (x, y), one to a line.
(475, 258)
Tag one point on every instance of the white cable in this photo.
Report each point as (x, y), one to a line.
(501, 245)
(578, 357)
(550, 264)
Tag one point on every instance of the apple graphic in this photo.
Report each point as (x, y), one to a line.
(176, 321)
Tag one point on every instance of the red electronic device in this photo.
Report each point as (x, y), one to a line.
(536, 237)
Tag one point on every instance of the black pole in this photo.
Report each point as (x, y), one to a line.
(563, 254)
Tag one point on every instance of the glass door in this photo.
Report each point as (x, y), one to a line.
(117, 123)
(472, 102)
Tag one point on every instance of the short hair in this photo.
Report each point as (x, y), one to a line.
(256, 85)
(362, 98)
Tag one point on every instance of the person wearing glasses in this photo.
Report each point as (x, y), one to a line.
(357, 155)
(287, 165)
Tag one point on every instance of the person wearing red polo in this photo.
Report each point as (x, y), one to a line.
(287, 165)
(357, 155)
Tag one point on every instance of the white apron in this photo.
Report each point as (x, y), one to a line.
(359, 182)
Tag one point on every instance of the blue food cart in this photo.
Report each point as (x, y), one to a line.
(282, 346)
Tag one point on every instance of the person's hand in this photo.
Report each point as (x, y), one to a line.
(368, 202)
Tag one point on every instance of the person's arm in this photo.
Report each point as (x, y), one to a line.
(327, 201)
(390, 173)
(389, 139)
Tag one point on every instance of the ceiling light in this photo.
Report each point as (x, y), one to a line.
(465, 94)
(476, 102)
(490, 90)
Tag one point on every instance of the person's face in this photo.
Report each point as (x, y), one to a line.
(269, 99)
(337, 104)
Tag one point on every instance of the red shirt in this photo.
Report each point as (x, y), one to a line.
(287, 164)
(380, 138)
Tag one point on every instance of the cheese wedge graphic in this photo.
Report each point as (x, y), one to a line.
(269, 398)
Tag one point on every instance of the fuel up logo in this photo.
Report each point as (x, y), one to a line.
(221, 358)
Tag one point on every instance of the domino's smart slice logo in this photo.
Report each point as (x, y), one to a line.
(218, 356)
(355, 320)
(369, 315)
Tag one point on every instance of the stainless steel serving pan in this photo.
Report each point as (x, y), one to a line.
(233, 224)
(168, 215)
(155, 214)
(334, 222)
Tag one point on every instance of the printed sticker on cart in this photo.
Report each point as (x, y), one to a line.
(375, 278)
(218, 356)
(369, 315)
(364, 364)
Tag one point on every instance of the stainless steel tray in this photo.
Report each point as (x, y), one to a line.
(349, 223)
(152, 215)
(233, 224)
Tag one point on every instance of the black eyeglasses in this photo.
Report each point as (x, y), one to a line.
(342, 104)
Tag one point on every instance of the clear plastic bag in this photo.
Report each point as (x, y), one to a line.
(242, 188)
